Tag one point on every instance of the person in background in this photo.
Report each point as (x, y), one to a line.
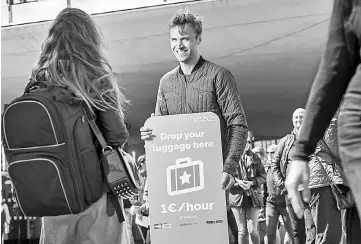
(271, 150)
(5, 218)
(260, 152)
(127, 205)
(302, 228)
(245, 197)
(139, 208)
(281, 234)
(276, 207)
(232, 224)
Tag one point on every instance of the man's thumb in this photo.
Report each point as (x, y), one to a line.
(306, 194)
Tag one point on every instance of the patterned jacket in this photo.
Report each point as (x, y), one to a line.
(209, 88)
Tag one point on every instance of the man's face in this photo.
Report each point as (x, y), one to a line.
(270, 154)
(184, 42)
(297, 118)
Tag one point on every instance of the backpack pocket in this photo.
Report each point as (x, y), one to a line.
(89, 164)
(91, 175)
(42, 186)
(29, 124)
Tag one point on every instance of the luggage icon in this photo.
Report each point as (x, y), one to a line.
(185, 176)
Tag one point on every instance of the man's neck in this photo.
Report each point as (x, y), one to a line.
(188, 67)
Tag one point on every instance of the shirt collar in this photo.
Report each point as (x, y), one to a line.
(201, 60)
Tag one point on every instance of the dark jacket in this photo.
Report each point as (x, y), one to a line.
(318, 173)
(337, 69)
(112, 127)
(273, 194)
(280, 161)
(338, 78)
(255, 173)
(209, 88)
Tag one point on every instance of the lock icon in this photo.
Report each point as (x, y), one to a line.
(185, 176)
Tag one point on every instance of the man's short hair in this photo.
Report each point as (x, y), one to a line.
(187, 16)
(298, 110)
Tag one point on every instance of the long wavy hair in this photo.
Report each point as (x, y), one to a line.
(71, 56)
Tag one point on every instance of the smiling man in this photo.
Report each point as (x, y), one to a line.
(198, 85)
(302, 228)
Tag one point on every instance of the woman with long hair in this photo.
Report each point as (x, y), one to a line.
(72, 57)
(245, 198)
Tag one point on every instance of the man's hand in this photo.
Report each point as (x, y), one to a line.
(146, 133)
(298, 173)
(227, 181)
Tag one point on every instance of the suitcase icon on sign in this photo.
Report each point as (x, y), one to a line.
(185, 176)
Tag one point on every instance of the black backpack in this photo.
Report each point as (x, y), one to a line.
(52, 153)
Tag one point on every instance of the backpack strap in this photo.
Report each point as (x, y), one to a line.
(112, 200)
(37, 85)
(96, 131)
(61, 93)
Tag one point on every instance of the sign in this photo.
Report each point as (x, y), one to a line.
(184, 168)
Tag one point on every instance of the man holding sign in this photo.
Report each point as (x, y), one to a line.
(198, 85)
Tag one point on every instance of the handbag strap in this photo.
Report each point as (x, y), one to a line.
(112, 200)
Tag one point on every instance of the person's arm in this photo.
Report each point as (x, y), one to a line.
(334, 74)
(231, 107)
(161, 105)
(113, 127)
(278, 178)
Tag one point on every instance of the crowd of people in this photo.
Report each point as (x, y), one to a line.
(323, 220)
(263, 192)
(259, 209)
